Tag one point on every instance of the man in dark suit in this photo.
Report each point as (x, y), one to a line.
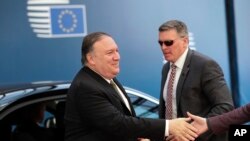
(220, 124)
(99, 111)
(195, 83)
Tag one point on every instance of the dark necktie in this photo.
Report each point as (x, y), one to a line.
(112, 83)
(169, 103)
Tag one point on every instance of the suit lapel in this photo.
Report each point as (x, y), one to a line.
(165, 71)
(107, 87)
(164, 74)
(125, 94)
(109, 90)
(183, 77)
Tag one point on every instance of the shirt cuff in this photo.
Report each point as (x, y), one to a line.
(167, 128)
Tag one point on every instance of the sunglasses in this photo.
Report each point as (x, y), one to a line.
(166, 43)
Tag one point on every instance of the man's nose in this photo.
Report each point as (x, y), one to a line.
(117, 56)
(163, 46)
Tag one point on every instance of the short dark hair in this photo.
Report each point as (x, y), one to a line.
(177, 25)
(88, 42)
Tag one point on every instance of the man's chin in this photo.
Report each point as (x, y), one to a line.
(116, 71)
(169, 59)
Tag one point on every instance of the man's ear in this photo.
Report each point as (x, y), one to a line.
(186, 41)
(90, 58)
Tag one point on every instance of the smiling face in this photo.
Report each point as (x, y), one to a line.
(104, 58)
(173, 52)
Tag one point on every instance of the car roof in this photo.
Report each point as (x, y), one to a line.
(5, 88)
(18, 93)
(14, 92)
(141, 94)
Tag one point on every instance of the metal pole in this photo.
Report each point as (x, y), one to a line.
(232, 48)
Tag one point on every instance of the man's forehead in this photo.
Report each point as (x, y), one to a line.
(168, 34)
(105, 44)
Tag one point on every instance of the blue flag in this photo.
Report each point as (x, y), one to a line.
(68, 21)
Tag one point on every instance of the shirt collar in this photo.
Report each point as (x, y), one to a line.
(107, 80)
(101, 76)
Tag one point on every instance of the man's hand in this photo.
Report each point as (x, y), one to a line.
(181, 130)
(199, 123)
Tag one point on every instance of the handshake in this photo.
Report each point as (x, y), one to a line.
(185, 129)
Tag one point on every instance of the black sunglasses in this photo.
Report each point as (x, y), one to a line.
(166, 43)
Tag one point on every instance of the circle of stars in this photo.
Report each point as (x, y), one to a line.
(73, 26)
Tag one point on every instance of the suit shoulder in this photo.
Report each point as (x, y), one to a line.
(202, 58)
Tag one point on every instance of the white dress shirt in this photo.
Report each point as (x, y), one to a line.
(179, 66)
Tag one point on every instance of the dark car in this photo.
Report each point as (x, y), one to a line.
(15, 99)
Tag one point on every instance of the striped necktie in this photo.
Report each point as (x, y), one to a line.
(169, 103)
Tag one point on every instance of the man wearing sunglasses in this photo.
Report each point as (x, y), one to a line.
(190, 81)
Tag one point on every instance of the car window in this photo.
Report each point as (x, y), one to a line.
(20, 122)
(144, 107)
(54, 113)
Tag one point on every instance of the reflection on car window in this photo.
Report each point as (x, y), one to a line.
(15, 125)
(28, 125)
(144, 107)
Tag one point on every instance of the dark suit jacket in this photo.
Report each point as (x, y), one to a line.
(201, 90)
(219, 124)
(95, 112)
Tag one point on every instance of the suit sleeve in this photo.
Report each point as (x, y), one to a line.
(219, 124)
(216, 89)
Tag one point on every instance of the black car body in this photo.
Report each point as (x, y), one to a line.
(14, 98)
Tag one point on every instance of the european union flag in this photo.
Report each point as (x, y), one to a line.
(68, 21)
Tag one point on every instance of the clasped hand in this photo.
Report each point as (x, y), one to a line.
(181, 130)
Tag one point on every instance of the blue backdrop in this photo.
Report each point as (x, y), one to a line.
(24, 57)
